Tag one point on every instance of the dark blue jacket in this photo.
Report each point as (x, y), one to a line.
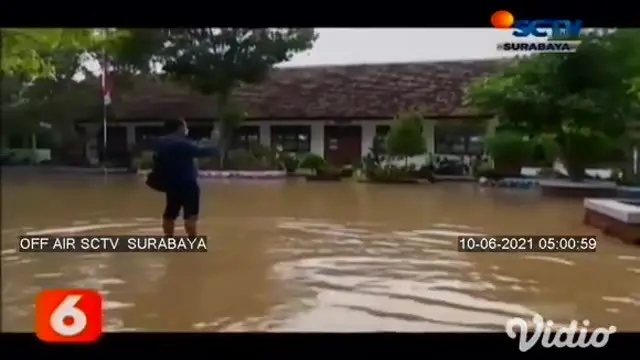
(174, 160)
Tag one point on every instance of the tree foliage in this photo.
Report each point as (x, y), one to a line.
(65, 87)
(55, 100)
(587, 97)
(23, 49)
(214, 61)
(136, 53)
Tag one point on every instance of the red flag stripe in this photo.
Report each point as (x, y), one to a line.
(105, 79)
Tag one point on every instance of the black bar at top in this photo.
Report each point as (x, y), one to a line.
(322, 14)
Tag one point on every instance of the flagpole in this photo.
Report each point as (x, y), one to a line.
(104, 102)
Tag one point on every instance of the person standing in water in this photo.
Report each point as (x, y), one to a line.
(175, 167)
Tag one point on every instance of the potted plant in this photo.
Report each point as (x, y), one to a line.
(290, 163)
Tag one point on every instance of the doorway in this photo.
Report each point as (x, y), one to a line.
(343, 145)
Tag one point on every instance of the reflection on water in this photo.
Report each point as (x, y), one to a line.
(316, 257)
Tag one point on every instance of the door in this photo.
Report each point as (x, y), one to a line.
(117, 151)
(342, 145)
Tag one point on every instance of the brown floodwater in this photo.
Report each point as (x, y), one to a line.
(296, 256)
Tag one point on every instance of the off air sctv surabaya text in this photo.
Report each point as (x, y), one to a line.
(120, 243)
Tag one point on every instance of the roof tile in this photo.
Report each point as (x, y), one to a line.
(351, 91)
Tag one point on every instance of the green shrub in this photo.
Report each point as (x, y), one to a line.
(425, 172)
(260, 151)
(243, 159)
(391, 173)
(327, 169)
(510, 151)
(289, 162)
(209, 163)
(313, 162)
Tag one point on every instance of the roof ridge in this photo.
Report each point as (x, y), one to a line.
(398, 63)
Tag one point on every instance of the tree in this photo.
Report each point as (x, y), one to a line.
(581, 101)
(22, 49)
(45, 79)
(51, 100)
(405, 137)
(214, 61)
(72, 91)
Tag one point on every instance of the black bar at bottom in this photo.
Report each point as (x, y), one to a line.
(223, 345)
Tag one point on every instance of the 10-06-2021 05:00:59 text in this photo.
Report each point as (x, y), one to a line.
(527, 243)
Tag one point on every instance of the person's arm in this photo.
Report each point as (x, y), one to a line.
(201, 150)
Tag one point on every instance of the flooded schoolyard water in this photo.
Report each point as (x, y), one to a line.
(296, 256)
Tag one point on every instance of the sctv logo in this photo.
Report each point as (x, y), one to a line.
(537, 28)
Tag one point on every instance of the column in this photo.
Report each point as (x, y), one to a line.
(368, 133)
(429, 135)
(265, 135)
(91, 144)
(131, 135)
(317, 138)
(491, 126)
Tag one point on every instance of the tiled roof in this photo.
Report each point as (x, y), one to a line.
(351, 91)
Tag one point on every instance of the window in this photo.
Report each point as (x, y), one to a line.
(460, 139)
(144, 133)
(475, 144)
(245, 135)
(145, 136)
(292, 138)
(382, 130)
(45, 141)
(199, 132)
(16, 142)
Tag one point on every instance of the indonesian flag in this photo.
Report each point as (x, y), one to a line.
(106, 83)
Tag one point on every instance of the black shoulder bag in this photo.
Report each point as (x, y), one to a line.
(154, 179)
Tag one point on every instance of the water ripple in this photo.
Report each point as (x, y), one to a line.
(324, 276)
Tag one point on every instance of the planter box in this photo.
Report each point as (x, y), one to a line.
(614, 218)
(566, 188)
(324, 177)
(242, 174)
(232, 174)
(507, 171)
(396, 181)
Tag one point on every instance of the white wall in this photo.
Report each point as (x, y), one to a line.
(317, 134)
(34, 156)
(30, 150)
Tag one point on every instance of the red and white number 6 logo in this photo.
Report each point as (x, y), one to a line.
(67, 319)
(73, 315)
